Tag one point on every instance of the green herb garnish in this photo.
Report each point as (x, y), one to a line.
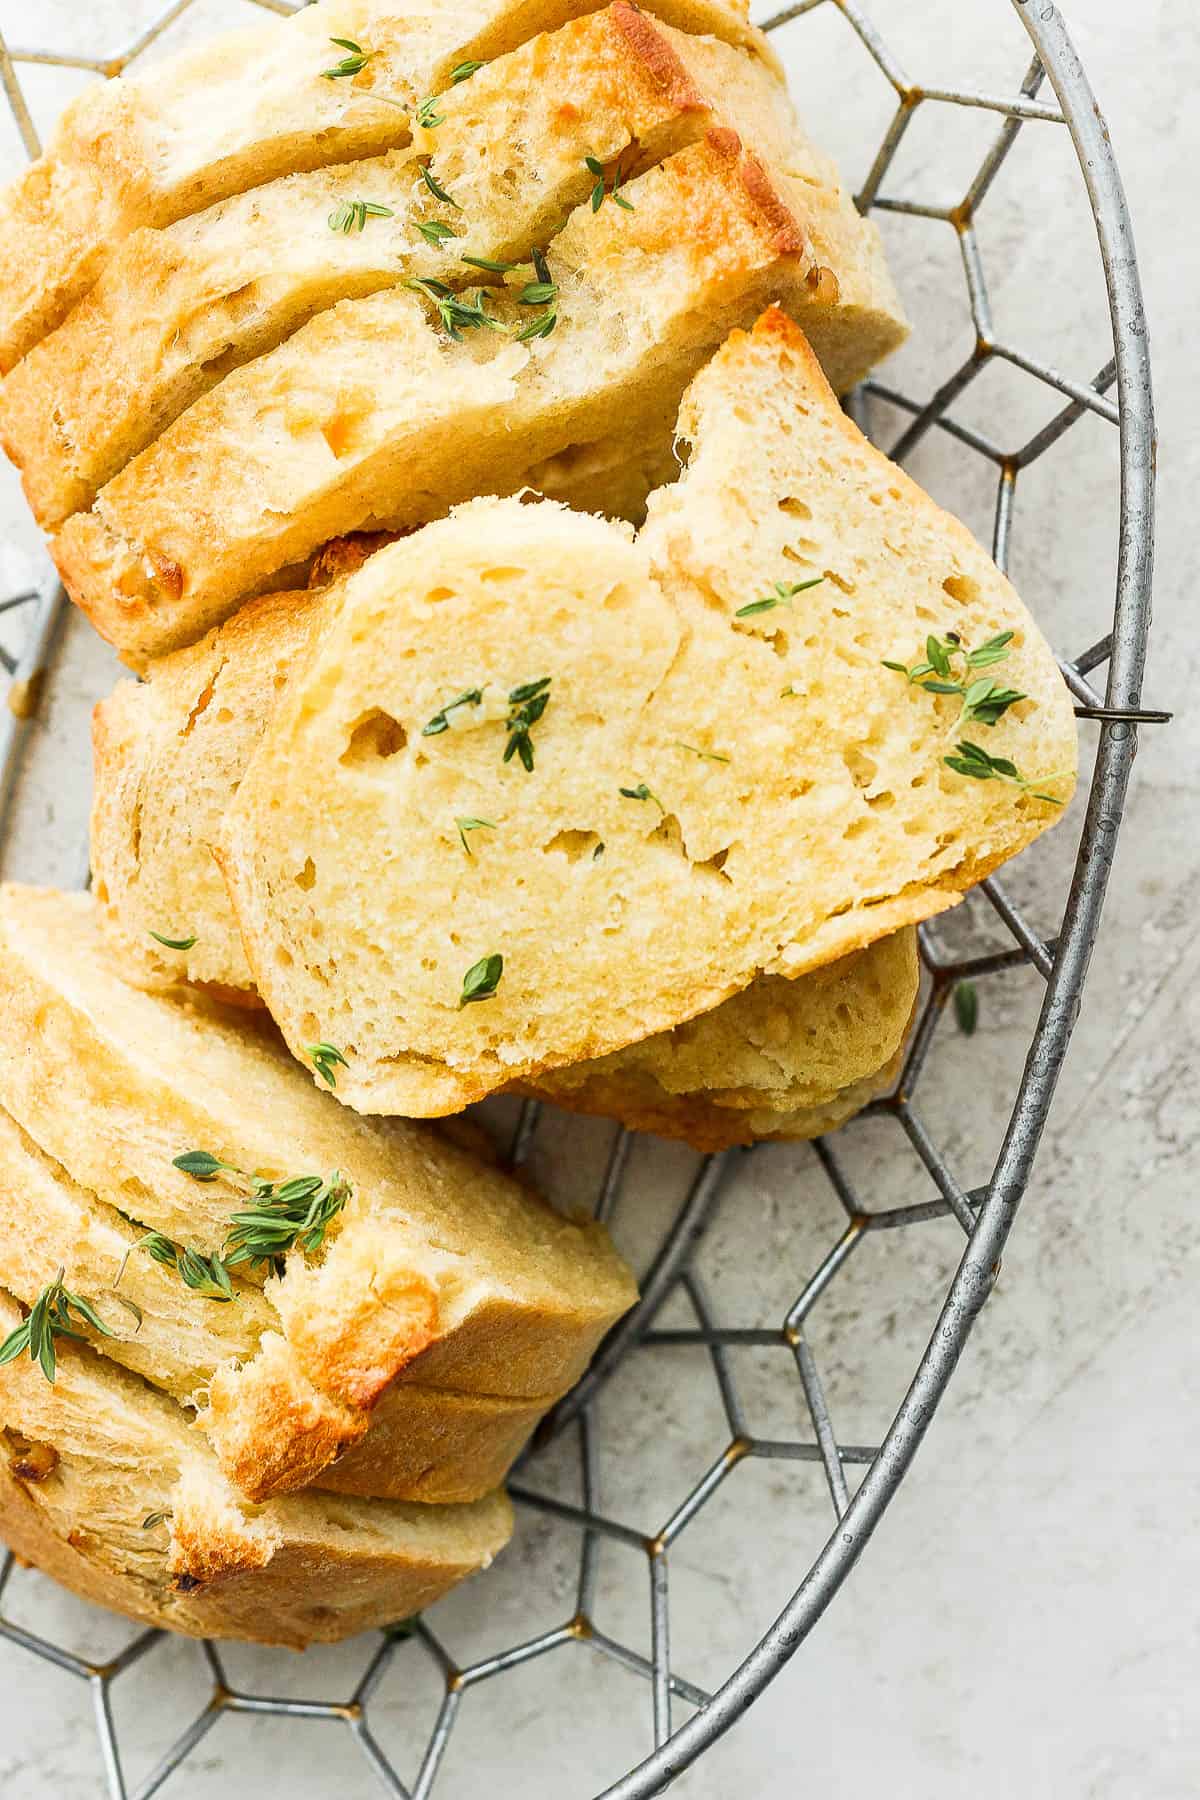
(542, 292)
(605, 187)
(435, 187)
(707, 755)
(642, 792)
(202, 1166)
(436, 231)
(966, 1007)
(428, 117)
(356, 59)
(352, 215)
(154, 1519)
(464, 72)
(493, 268)
(50, 1318)
(481, 979)
(783, 594)
(456, 313)
(205, 1275)
(292, 1214)
(441, 720)
(529, 702)
(598, 852)
(324, 1058)
(984, 701)
(971, 759)
(172, 943)
(465, 825)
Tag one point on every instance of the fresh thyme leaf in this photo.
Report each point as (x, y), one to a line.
(154, 1519)
(465, 825)
(598, 852)
(642, 792)
(464, 71)
(427, 115)
(324, 1057)
(542, 292)
(604, 187)
(172, 943)
(441, 722)
(50, 1318)
(436, 231)
(493, 268)
(352, 215)
(783, 594)
(972, 760)
(356, 59)
(984, 701)
(481, 979)
(205, 1275)
(966, 1007)
(457, 313)
(435, 187)
(528, 703)
(993, 651)
(202, 1165)
(706, 755)
(938, 654)
(286, 1215)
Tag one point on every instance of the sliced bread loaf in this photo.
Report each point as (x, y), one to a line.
(192, 1337)
(176, 309)
(713, 703)
(373, 415)
(106, 1487)
(432, 1269)
(170, 753)
(240, 111)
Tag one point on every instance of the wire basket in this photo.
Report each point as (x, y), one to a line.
(416, 1684)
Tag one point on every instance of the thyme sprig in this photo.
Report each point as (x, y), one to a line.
(465, 825)
(457, 313)
(169, 943)
(972, 760)
(642, 792)
(465, 70)
(606, 188)
(435, 187)
(705, 755)
(481, 979)
(291, 1214)
(352, 63)
(205, 1275)
(528, 703)
(427, 115)
(50, 1318)
(782, 594)
(436, 232)
(984, 701)
(441, 720)
(325, 1058)
(492, 267)
(542, 292)
(352, 215)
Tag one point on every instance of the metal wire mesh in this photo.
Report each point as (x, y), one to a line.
(985, 1213)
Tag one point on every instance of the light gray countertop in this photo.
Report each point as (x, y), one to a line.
(1024, 1622)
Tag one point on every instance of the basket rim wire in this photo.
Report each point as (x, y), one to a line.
(985, 1214)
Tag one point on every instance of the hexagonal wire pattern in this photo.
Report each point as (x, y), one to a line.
(985, 1214)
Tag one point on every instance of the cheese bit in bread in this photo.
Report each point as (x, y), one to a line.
(434, 1270)
(836, 820)
(785, 1058)
(387, 418)
(109, 1488)
(176, 309)
(243, 110)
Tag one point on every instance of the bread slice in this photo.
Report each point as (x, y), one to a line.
(170, 753)
(419, 1443)
(439, 1272)
(769, 794)
(782, 1059)
(105, 1487)
(243, 110)
(175, 309)
(371, 415)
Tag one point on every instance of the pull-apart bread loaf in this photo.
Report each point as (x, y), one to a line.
(249, 107)
(176, 309)
(433, 1286)
(384, 411)
(104, 1485)
(781, 1059)
(684, 765)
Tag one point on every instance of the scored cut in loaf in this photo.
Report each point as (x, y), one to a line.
(176, 309)
(241, 111)
(372, 416)
(769, 795)
(783, 1058)
(426, 1444)
(438, 1272)
(105, 1486)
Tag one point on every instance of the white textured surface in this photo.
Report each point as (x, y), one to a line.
(1024, 1623)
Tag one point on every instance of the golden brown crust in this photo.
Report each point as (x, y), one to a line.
(654, 55)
